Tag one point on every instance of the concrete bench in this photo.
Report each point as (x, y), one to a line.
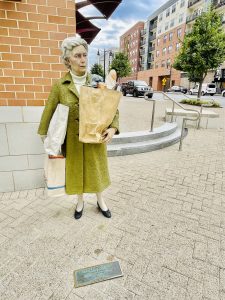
(206, 114)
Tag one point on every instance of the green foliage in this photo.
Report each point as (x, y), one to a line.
(97, 69)
(203, 49)
(121, 64)
(196, 102)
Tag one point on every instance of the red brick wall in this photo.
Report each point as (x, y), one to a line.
(30, 35)
(156, 74)
(126, 38)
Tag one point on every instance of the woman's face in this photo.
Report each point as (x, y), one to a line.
(78, 60)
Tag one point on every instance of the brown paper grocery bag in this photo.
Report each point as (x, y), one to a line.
(97, 108)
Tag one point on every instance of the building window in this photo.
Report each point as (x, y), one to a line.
(164, 38)
(163, 63)
(179, 32)
(156, 65)
(159, 30)
(164, 51)
(158, 41)
(170, 36)
(181, 17)
(168, 12)
(173, 8)
(168, 62)
(170, 48)
(177, 46)
(157, 53)
(167, 26)
(172, 23)
(182, 3)
(160, 17)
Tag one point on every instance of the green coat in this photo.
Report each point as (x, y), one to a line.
(86, 164)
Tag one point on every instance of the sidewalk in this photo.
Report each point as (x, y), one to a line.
(167, 230)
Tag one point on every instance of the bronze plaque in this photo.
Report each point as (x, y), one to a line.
(97, 273)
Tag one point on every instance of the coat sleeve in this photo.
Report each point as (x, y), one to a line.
(49, 110)
(115, 122)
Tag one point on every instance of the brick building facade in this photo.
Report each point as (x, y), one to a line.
(30, 35)
(130, 44)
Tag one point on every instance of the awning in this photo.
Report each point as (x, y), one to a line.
(106, 7)
(84, 27)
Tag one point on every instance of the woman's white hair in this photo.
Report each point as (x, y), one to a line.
(67, 46)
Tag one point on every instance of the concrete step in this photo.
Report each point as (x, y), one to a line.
(144, 146)
(141, 136)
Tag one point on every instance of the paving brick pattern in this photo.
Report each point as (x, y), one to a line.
(167, 230)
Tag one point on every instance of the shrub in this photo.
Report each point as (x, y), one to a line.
(196, 102)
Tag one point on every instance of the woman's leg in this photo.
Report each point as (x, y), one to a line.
(80, 202)
(101, 201)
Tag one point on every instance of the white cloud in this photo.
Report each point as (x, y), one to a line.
(109, 36)
(128, 13)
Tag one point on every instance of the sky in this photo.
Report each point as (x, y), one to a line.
(128, 13)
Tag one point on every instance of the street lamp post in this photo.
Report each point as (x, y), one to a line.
(104, 55)
(170, 74)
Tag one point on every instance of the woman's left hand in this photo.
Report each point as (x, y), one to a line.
(108, 134)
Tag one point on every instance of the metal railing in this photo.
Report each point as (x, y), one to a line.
(192, 2)
(153, 26)
(201, 110)
(172, 114)
(192, 17)
(152, 37)
(151, 49)
(218, 4)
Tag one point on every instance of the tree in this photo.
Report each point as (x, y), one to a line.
(203, 48)
(97, 69)
(121, 65)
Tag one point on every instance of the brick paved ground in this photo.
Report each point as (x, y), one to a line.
(167, 230)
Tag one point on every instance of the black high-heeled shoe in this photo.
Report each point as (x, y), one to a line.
(106, 213)
(78, 214)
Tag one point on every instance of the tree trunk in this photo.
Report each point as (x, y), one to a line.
(199, 91)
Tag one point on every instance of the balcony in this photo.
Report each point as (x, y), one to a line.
(192, 17)
(192, 2)
(218, 3)
(152, 26)
(143, 32)
(152, 37)
(150, 59)
(143, 42)
(151, 49)
(142, 52)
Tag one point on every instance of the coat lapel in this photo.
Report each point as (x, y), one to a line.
(68, 79)
(73, 89)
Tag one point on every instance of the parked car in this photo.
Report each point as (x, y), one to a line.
(95, 79)
(207, 88)
(177, 88)
(223, 93)
(137, 88)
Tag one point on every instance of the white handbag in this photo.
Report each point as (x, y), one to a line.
(55, 166)
(54, 169)
(57, 130)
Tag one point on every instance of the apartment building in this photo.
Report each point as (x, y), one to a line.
(195, 9)
(161, 39)
(164, 31)
(130, 44)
